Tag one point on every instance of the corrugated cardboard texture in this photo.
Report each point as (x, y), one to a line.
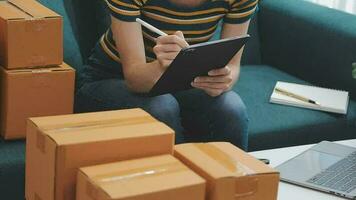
(34, 8)
(9, 11)
(31, 35)
(57, 146)
(160, 177)
(32, 93)
(231, 173)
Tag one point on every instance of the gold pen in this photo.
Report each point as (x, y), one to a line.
(296, 96)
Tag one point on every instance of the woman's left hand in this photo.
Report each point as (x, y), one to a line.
(218, 81)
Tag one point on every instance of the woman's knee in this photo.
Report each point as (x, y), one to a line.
(230, 116)
(166, 109)
(163, 107)
(230, 105)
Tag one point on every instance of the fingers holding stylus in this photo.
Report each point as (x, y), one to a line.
(168, 47)
(176, 38)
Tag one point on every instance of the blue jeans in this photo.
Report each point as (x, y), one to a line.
(194, 115)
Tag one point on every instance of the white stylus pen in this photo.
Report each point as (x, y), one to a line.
(149, 26)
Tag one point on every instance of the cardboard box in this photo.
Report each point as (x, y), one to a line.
(57, 146)
(31, 35)
(154, 178)
(33, 92)
(231, 173)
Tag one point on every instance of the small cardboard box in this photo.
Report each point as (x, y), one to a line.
(161, 177)
(30, 35)
(31, 93)
(231, 173)
(57, 146)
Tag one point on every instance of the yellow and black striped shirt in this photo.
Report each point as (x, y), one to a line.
(198, 24)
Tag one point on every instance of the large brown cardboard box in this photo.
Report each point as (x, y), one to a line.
(30, 35)
(154, 178)
(57, 146)
(231, 173)
(31, 93)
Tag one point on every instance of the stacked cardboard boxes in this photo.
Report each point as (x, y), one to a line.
(57, 146)
(128, 154)
(34, 82)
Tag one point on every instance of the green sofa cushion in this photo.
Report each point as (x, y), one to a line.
(312, 42)
(273, 125)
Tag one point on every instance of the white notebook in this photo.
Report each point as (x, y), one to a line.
(330, 100)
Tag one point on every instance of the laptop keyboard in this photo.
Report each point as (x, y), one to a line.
(339, 176)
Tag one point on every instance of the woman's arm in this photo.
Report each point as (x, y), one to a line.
(139, 75)
(222, 80)
(231, 30)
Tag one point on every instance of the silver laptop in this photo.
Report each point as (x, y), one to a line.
(327, 166)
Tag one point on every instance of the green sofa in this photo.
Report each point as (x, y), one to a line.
(292, 40)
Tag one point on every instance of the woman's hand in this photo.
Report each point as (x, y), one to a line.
(218, 81)
(168, 47)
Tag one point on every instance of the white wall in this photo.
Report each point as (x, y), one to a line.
(345, 5)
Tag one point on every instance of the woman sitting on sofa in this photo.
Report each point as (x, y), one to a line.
(129, 59)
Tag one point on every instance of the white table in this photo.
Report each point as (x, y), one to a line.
(292, 192)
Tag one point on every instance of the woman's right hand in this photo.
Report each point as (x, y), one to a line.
(168, 47)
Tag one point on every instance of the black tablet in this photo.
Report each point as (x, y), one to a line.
(197, 60)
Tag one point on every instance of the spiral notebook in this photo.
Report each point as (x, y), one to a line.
(329, 100)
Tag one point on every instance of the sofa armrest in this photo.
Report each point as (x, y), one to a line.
(312, 42)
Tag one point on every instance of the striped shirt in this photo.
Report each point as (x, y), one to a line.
(198, 24)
